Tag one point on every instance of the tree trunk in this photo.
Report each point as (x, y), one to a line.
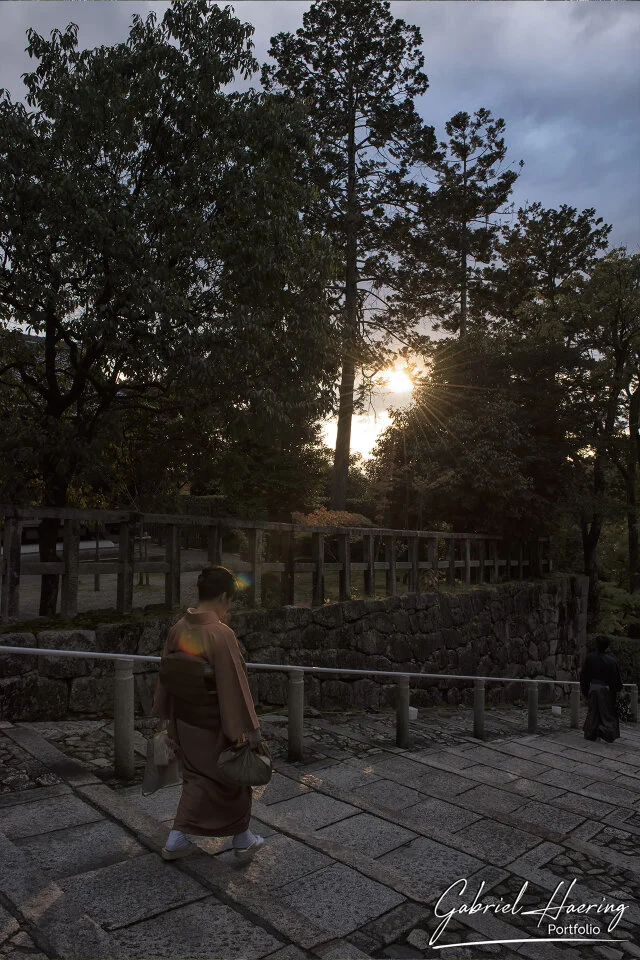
(630, 486)
(590, 536)
(463, 262)
(55, 495)
(340, 474)
(345, 410)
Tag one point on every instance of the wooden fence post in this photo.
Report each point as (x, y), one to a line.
(390, 558)
(368, 546)
(172, 576)
(451, 571)
(520, 560)
(496, 561)
(71, 557)
(12, 540)
(482, 553)
(256, 540)
(317, 549)
(414, 558)
(214, 545)
(467, 561)
(96, 576)
(432, 557)
(288, 577)
(507, 560)
(126, 544)
(344, 552)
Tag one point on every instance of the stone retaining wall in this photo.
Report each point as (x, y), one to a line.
(516, 629)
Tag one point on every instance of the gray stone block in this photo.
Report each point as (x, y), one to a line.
(278, 789)
(132, 890)
(199, 930)
(488, 800)
(440, 815)
(553, 817)
(395, 924)
(56, 813)
(314, 810)
(339, 899)
(92, 695)
(67, 639)
(367, 834)
(32, 697)
(388, 793)
(431, 865)
(152, 638)
(499, 844)
(74, 850)
(15, 664)
(281, 861)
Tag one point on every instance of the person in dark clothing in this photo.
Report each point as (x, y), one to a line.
(600, 682)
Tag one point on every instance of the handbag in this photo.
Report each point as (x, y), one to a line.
(245, 767)
(162, 768)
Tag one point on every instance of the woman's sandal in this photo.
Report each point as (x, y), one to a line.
(246, 853)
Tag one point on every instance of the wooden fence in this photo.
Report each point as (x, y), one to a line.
(419, 555)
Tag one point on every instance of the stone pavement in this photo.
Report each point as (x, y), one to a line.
(362, 839)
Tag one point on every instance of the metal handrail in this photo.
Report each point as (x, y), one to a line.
(124, 697)
(285, 667)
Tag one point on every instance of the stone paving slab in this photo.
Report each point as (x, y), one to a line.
(315, 810)
(282, 860)
(89, 846)
(327, 884)
(338, 898)
(442, 815)
(42, 816)
(542, 814)
(389, 793)
(367, 833)
(132, 890)
(198, 930)
(491, 800)
(495, 842)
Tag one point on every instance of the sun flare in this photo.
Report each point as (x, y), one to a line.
(398, 381)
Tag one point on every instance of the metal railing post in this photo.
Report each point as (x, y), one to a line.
(478, 709)
(402, 713)
(634, 702)
(532, 699)
(295, 706)
(123, 720)
(575, 707)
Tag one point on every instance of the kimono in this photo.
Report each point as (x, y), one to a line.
(207, 806)
(600, 682)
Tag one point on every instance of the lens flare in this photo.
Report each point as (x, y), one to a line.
(243, 581)
(190, 642)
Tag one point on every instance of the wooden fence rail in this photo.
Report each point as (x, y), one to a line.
(418, 556)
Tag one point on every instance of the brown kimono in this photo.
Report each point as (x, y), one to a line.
(207, 806)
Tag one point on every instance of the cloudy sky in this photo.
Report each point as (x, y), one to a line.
(563, 75)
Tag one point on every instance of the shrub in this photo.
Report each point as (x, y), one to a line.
(331, 518)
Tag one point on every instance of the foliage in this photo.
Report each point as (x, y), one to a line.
(618, 609)
(457, 230)
(152, 237)
(331, 518)
(358, 69)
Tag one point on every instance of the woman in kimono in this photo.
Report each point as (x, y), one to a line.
(600, 682)
(204, 695)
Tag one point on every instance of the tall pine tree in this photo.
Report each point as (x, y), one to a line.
(359, 69)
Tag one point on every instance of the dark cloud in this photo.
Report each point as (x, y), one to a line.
(564, 76)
